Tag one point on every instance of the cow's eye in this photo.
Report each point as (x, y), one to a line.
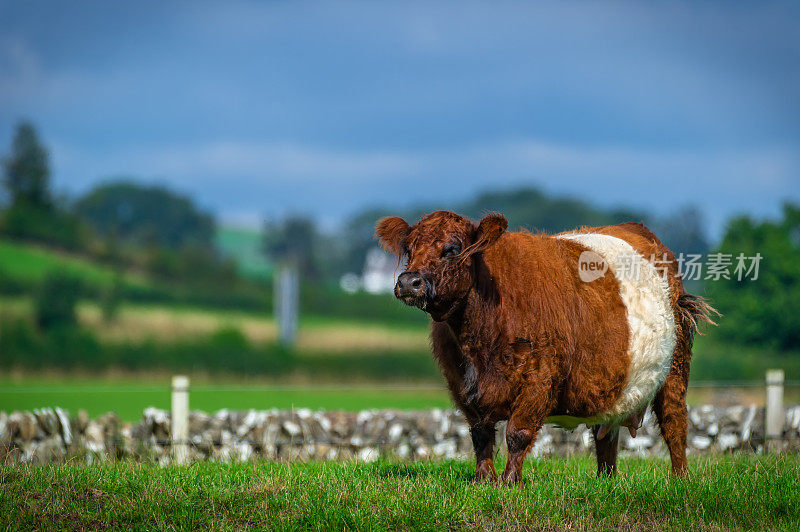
(451, 251)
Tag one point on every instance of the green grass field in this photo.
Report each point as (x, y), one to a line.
(743, 492)
(30, 264)
(130, 397)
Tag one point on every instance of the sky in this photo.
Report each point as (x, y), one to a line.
(261, 109)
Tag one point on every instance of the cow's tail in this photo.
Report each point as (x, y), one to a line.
(693, 310)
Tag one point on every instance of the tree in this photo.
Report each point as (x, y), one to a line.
(295, 240)
(358, 238)
(143, 215)
(27, 170)
(765, 311)
(33, 213)
(526, 207)
(533, 209)
(683, 231)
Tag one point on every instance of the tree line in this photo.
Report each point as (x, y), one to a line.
(122, 223)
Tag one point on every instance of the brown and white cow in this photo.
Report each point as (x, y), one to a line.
(522, 333)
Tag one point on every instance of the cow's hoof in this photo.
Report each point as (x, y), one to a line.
(485, 473)
(485, 479)
(511, 478)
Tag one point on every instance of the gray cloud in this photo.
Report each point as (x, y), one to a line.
(270, 107)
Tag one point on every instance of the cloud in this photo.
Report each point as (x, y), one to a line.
(282, 163)
(243, 163)
(271, 107)
(19, 69)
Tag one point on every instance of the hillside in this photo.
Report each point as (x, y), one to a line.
(25, 266)
(28, 264)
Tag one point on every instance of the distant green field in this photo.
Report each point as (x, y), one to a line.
(244, 245)
(739, 492)
(28, 263)
(129, 398)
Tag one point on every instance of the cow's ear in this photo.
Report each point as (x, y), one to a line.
(492, 227)
(391, 231)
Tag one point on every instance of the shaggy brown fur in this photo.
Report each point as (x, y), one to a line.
(519, 337)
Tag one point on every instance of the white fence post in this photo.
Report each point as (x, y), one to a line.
(287, 303)
(180, 419)
(773, 415)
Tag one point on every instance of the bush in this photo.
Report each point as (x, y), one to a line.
(231, 338)
(65, 347)
(322, 300)
(69, 347)
(111, 298)
(251, 296)
(44, 225)
(226, 350)
(11, 286)
(55, 301)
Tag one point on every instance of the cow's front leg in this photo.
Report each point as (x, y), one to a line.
(483, 441)
(520, 435)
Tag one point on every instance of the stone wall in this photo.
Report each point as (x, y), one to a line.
(53, 435)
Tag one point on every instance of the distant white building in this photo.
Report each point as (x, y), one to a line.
(380, 272)
(379, 276)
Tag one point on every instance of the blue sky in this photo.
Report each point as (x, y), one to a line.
(263, 108)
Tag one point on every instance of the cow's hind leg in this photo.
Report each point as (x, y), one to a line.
(669, 407)
(669, 404)
(606, 448)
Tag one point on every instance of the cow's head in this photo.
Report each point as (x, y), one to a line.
(440, 252)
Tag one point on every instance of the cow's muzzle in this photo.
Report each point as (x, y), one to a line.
(414, 289)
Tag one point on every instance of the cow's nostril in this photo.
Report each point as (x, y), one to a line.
(416, 283)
